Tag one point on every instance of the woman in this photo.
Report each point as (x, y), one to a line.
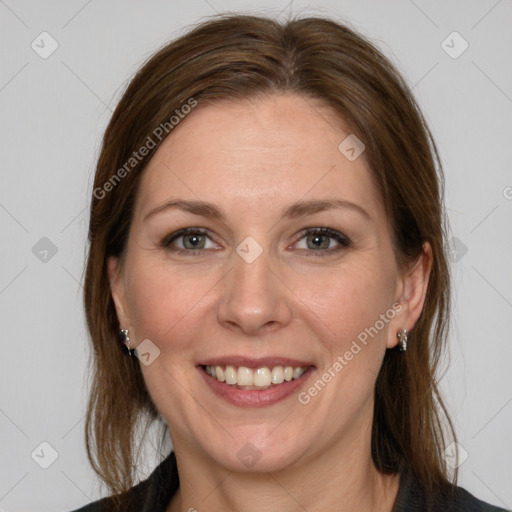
(267, 276)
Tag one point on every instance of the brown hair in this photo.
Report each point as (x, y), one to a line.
(238, 57)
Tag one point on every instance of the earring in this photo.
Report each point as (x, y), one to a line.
(125, 340)
(402, 337)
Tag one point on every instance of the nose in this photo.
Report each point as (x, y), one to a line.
(254, 300)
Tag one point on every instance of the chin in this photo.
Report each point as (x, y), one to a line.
(260, 451)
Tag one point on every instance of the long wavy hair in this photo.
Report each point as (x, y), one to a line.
(240, 56)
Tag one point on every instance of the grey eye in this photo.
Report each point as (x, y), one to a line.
(316, 242)
(194, 241)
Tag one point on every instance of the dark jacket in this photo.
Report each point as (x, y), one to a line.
(155, 493)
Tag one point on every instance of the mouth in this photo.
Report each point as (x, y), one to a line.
(260, 378)
(255, 383)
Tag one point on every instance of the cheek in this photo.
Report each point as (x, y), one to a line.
(352, 312)
(349, 302)
(166, 304)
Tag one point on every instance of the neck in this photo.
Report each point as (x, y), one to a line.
(341, 478)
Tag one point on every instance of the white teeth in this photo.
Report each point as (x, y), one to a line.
(260, 377)
(298, 372)
(219, 373)
(230, 375)
(277, 375)
(245, 376)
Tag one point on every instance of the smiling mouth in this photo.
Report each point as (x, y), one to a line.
(261, 378)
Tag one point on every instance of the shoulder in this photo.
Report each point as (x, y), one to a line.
(412, 498)
(461, 500)
(132, 500)
(150, 495)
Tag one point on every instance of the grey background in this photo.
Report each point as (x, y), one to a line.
(53, 113)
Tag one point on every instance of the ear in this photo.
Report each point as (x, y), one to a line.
(413, 285)
(118, 291)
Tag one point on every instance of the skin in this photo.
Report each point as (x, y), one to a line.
(252, 159)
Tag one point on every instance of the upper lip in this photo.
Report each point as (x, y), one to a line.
(253, 362)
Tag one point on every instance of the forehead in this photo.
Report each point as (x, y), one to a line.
(258, 154)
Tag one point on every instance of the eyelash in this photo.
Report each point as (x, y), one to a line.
(342, 240)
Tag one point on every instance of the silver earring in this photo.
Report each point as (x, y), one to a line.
(125, 340)
(402, 338)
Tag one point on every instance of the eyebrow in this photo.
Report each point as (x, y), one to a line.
(296, 210)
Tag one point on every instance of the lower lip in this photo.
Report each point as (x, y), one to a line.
(254, 397)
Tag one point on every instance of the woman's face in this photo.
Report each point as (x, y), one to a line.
(288, 263)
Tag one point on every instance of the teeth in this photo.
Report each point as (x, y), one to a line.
(219, 373)
(277, 375)
(230, 375)
(260, 377)
(297, 372)
(245, 376)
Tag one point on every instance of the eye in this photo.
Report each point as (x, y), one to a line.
(322, 240)
(192, 241)
(189, 240)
